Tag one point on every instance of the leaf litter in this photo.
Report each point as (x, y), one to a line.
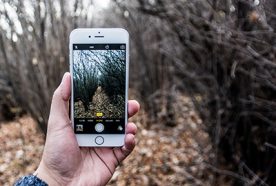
(163, 155)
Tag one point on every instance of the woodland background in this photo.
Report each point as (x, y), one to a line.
(203, 70)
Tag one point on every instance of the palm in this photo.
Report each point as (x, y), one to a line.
(94, 166)
(80, 166)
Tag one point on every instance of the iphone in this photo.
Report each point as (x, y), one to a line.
(99, 62)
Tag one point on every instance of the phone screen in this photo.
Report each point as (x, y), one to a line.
(99, 88)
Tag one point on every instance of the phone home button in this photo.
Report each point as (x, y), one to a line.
(99, 140)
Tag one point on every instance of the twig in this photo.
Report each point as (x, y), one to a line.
(270, 145)
(227, 173)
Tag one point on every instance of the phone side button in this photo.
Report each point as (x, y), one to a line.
(99, 140)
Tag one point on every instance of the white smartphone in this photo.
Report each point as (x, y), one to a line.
(99, 62)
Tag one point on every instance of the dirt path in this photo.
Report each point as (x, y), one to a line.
(101, 104)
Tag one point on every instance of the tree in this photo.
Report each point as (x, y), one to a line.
(34, 46)
(113, 74)
(221, 53)
(85, 76)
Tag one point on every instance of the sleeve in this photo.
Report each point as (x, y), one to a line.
(30, 180)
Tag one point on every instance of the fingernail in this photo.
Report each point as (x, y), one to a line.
(63, 78)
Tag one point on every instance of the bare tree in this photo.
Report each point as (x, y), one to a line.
(34, 46)
(223, 56)
(85, 76)
(113, 70)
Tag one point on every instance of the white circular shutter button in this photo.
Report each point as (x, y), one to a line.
(99, 140)
(99, 127)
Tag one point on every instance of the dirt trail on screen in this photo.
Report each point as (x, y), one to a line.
(101, 103)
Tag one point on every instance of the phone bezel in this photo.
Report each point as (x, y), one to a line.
(94, 36)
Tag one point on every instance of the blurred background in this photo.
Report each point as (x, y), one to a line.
(204, 72)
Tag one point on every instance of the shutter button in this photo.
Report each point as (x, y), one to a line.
(99, 127)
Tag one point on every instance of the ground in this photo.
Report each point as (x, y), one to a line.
(21, 149)
(101, 103)
(163, 155)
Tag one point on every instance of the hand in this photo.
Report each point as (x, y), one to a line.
(64, 162)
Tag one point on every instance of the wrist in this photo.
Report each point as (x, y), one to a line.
(47, 175)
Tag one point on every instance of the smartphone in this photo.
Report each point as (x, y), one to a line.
(99, 62)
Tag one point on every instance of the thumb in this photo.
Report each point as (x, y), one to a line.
(59, 113)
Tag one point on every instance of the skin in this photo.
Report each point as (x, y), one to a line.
(64, 162)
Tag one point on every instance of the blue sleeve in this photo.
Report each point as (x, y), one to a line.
(30, 180)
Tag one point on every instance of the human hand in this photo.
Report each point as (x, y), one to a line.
(64, 162)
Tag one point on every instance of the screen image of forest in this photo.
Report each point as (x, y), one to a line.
(99, 83)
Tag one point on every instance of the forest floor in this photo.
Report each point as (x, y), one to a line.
(163, 156)
(101, 103)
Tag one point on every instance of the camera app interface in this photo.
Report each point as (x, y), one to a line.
(99, 75)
